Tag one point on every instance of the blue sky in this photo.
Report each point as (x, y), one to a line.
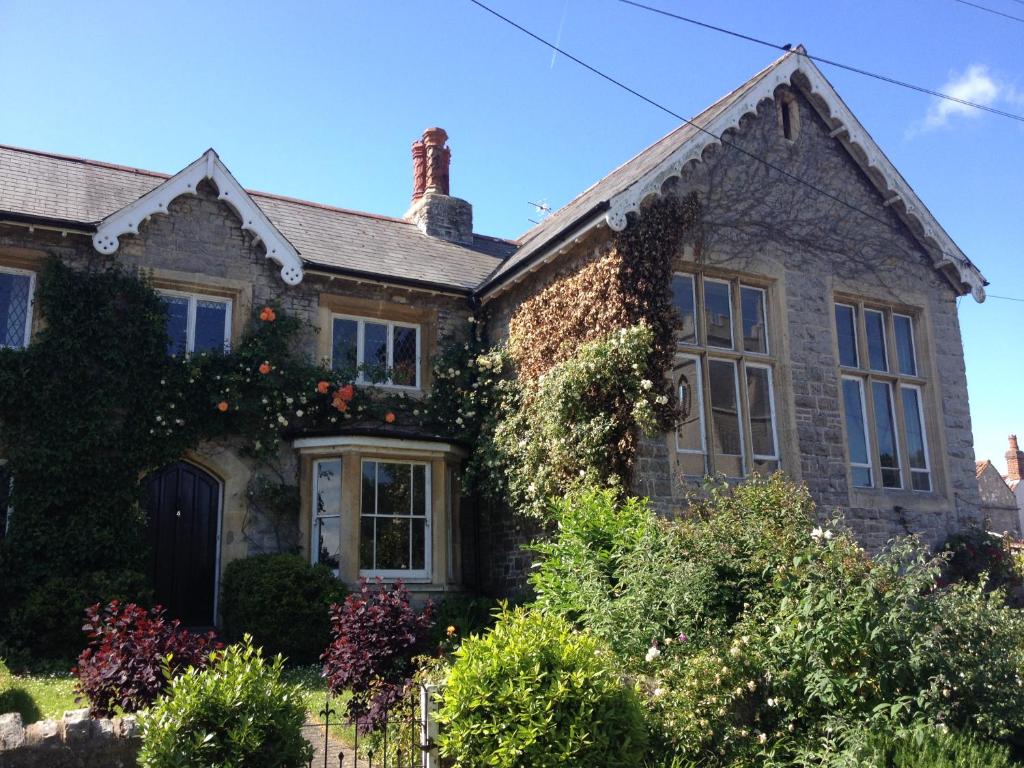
(321, 100)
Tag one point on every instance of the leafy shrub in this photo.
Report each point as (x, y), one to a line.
(236, 712)
(130, 655)
(375, 634)
(618, 570)
(533, 691)
(922, 747)
(459, 616)
(975, 552)
(283, 602)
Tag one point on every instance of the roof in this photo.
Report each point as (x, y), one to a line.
(979, 467)
(71, 190)
(623, 190)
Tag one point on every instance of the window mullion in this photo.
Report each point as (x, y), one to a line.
(743, 403)
(710, 445)
(872, 424)
(361, 375)
(390, 352)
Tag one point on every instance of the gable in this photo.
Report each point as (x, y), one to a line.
(622, 192)
(993, 489)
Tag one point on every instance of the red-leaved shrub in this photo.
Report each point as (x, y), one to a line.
(122, 666)
(375, 634)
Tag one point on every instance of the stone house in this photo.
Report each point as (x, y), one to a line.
(998, 502)
(820, 332)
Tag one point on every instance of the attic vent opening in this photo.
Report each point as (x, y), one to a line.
(789, 115)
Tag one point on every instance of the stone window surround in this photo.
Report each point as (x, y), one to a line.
(390, 325)
(443, 461)
(929, 394)
(25, 261)
(773, 291)
(332, 304)
(238, 292)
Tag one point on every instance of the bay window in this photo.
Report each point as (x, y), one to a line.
(882, 397)
(16, 287)
(723, 372)
(376, 351)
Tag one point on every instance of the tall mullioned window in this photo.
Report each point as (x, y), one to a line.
(883, 397)
(723, 369)
(15, 307)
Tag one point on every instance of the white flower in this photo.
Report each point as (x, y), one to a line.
(817, 534)
(652, 654)
(828, 535)
(646, 384)
(762, 738)
(661, 399)
(659, 692)
(298, 413)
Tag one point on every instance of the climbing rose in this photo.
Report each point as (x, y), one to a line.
(264, 368)
(389, 417)
(222, 406)
(322, 387)
(268, 315)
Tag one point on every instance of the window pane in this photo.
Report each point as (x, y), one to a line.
(392, 544)
(917, 444)
(211, 317)
(690, 431)
(682, 300)
(759, 399)
(329, 542)
(724, 409)
(14, 301)
(375, 351)
(419, 489)
(755, 326)
(404, 370)
(888, 455)
(394, 495)
(344, 346)
(718, 313)
(326, 520)
(856, 438)
(367, 525)
(905, 344)
(419, 544)
(846, 329)
(369, 502)
(177, 324)
(875, 328)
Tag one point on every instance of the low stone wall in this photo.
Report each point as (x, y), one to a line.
(74, 741)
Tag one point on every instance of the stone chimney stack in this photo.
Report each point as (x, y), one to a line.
(1014, 460)
(433, 209)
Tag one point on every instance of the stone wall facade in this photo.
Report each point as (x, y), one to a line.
(74, 741)
(808, 248)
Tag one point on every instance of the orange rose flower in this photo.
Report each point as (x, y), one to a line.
(339, 402)
(222, 406)
(268, 315)
(322, 387)
(264, 368)
(347, 393)
(389, 417)
(451, 631)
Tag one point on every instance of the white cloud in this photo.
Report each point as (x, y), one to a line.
(975, 85)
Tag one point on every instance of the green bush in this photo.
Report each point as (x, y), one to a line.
(237, 712)
(459, 616)
(922, 747)
(533, 691)
(282, 601)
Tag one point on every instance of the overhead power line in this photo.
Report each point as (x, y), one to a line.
(725, 142)
(830, 62)
(992, 10)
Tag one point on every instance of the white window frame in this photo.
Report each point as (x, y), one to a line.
(31, 302)
(732, 312)
(913, 345)
(423, 574)
(692, 277)
(190, 326)
(314, 541)
(360, 349)
(867, 433)
(856, 341)
(700, 404)
(771, 410)
(885, 341)
(764, 319)
(741, 434)
(924, 435)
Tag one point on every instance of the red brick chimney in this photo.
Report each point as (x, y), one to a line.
(433, 209)
(1014, 460)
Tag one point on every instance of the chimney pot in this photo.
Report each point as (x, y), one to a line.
(433, 209)
(1014, 460)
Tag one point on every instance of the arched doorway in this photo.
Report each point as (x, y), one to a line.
(183, 506)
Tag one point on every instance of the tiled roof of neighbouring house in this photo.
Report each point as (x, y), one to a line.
(71, 190)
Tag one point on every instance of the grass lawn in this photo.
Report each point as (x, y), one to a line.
(37, 697)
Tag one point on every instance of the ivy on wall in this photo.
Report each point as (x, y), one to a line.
(95, 403)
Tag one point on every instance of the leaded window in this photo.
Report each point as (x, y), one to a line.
(723, 372)
(15, 307)
(376, 351)
(883, 396)
(196, 323)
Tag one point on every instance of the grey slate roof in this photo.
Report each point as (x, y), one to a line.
(594, 199)
(73, 190)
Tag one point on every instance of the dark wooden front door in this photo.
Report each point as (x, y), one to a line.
(183, 502)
